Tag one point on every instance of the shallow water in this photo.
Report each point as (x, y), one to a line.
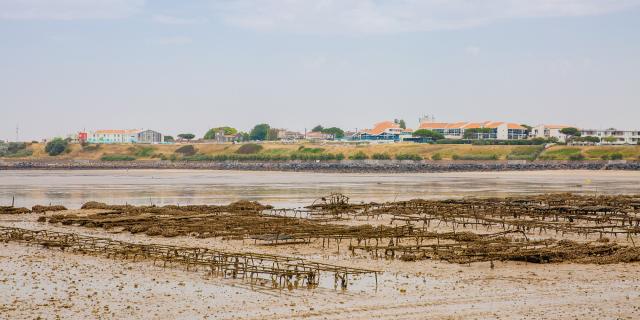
(72, 188)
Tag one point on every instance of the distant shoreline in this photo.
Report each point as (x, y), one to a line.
(345, 166)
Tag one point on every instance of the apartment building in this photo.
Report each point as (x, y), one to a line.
(483, 130)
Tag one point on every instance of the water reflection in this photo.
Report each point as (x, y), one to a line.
(72, 188)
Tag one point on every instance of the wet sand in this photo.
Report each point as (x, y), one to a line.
(49, 283)
(142, 187)
(40, 283)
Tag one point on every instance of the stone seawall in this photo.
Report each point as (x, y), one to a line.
(347, 166)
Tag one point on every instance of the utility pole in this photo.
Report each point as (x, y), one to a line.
(17, 133)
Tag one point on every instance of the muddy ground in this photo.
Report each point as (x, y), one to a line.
(49, 283)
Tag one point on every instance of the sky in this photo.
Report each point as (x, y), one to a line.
(186, 66)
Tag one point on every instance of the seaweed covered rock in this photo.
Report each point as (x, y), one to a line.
(13, 210)
(42, 209)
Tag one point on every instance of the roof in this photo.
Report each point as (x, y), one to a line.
(116, 131)
(555, 126)
(469, 125)
(383, 126)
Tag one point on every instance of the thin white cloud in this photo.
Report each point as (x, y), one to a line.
(472, 50)
(172, 41)
(167, 19)
(394, 16)
(68, 9)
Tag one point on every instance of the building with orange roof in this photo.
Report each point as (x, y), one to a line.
(383, 131)
(481, 130)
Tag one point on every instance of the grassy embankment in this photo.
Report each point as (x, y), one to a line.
(307, 151)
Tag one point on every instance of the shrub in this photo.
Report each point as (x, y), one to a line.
(408, 156)
(576, 157)
(56, 146)
(476, 157)
(359, 156)
(186, 151)
(186, 136)
(424, 133)
(315, 156)
(20, 154)
(142, 152)
(605, 157)
(617, 156)
(90, 147)
(525, 153)
(249, 148)
(381, 156)
(559, 154)
(14, 150)
(117, 157)
(454, 141)
(436, 157)
(310, 150)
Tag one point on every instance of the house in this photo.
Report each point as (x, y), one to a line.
(113, 136)
(284, 134)
(149, 136)
(491, 129)
(613, 136)
(317, 136)
(548, 131)
(383, 131)
(220, 137)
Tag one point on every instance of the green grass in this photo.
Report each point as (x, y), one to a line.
(359, 156)
(525, 153)
(408, 156)
(265, 157)
(310, 150)
(142, 151)
(117, 157)
(478, 157)
(381, 156)
(560, 154)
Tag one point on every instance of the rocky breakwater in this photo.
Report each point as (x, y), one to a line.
(325, 166)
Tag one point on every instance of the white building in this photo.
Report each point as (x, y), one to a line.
(491, 129)
(549, 131)
(149, 136)
(613, 136)
(113, 136)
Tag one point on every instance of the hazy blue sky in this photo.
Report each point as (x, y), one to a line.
(179, 66)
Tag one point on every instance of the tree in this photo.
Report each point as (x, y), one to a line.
(400, 123)
(573, 132)
(591, 139)
(56, 146)
(260, 132)
(529, 128)
(186, 136)
(317, 128)
(168, 139)
(475, 133)
(273, 134)
(211, 134)
(425, 133)
(610, 139)
(335, 131)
